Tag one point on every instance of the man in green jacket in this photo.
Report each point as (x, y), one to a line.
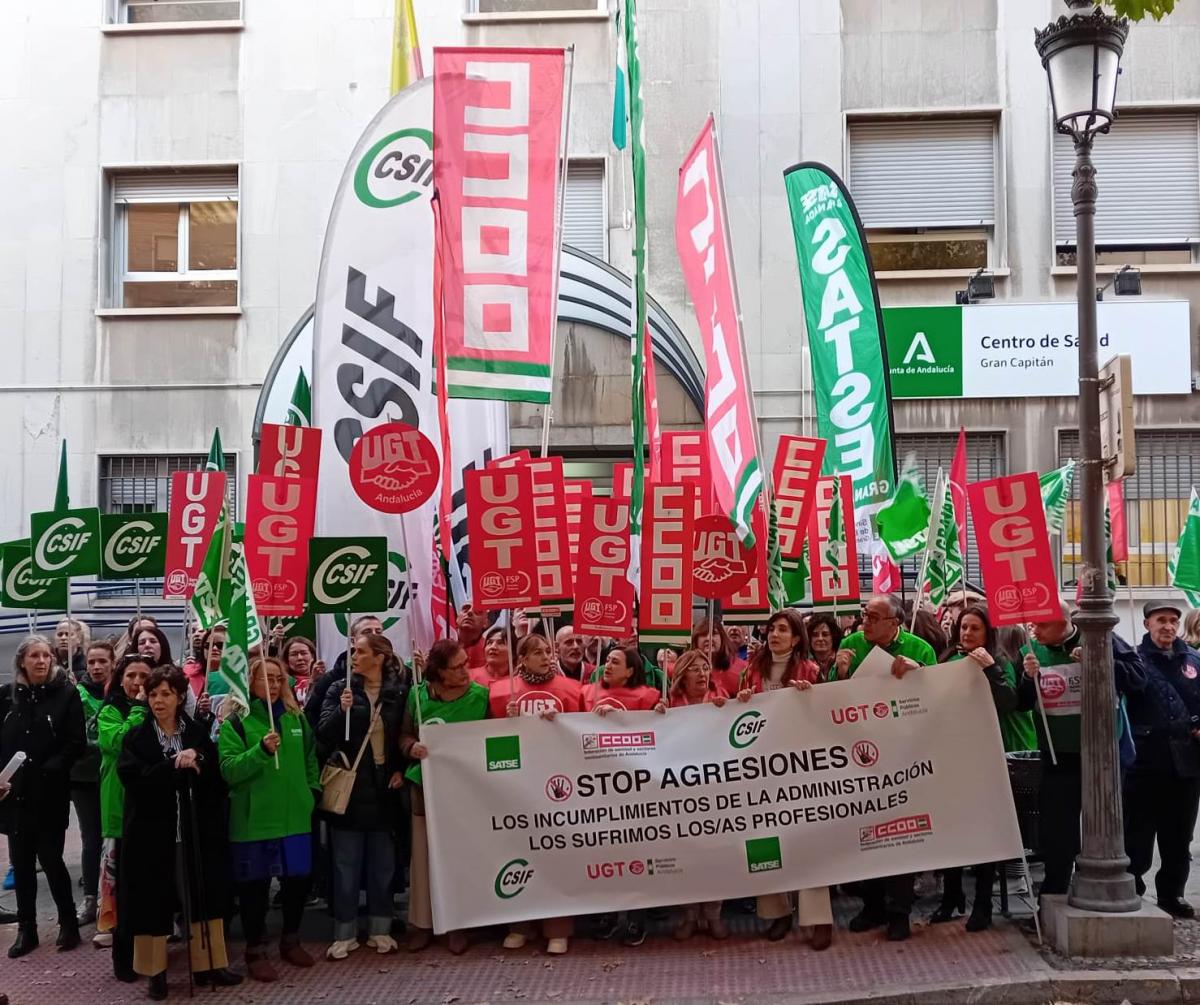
(886, 901)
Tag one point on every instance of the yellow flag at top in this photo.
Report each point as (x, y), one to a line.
(406, 49)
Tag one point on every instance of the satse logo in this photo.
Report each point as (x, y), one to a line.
(746, 728)
(503, 753)
(344, 567)
(512, 878)
(64, 537)
(763, 854)
(396, 169)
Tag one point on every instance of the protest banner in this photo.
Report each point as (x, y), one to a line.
(721, 563)
(797, 466)
(500, 515)
(851, 384)
(347, 575)
(196, 498)
(1014, 549)
(280, 516)
(65, 542)
(134, 545)
(555, 585)
(21, 589)
(585, 816)
(603, 594)
(668, 551)
(578, 495)
(290, 451)
(833, 553)
(702, 241)
(497, 117)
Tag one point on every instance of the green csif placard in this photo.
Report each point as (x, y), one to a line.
(135, 545)
(347, 575)
(65, 542)
(852, 396)
(20, 589)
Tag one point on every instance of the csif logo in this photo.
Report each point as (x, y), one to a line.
(20, 583)
(746, 728)
(397, 169)
(65, 538)
(512, 878)
(131, 546)
(345, 567)
(503, 753)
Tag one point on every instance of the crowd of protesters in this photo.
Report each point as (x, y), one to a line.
(191, 811)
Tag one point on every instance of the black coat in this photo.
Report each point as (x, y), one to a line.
(1162, 715)
(46, 722)
(155, 792)
(373, 806)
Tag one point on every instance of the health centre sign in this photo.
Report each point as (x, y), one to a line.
(1005, 350)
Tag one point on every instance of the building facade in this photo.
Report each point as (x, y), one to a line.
(172, 164)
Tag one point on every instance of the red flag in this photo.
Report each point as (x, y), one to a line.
(685, 459)
(832, 552)
(289, 451)
(196, 498)
(500, 525)
(550, 535)
(1116, 516)
(665, 612)
(885, 573)
(280, 515)
(603, 593)
(958, 489)
(653, 424)
(797, 467)
(445, 500)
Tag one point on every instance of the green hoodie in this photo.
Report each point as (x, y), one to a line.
(266, 803)
(112, 725)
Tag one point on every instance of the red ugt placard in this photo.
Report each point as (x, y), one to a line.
(500, 523)
(797, 467)
(196, 498)
(289, 451)
(578, 493)
(1014, 549)
(834, 566)
(280, 515)
(603, 593)
(555, 583)
(394, 468)
(668, 528)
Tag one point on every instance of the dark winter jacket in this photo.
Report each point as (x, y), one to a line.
(46, 722)
(159, 803)
(1162, 715)
(372, 805)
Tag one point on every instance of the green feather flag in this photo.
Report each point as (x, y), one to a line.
(62, 495)
(1183, 569)
(903, 521)
(1056, 493)
(299, 411)
(216, 456)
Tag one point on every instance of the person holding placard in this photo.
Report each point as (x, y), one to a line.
(497, 658)
(713, 641)
(446, 695)
(335, 679)
(1056, 644)
(41, 717)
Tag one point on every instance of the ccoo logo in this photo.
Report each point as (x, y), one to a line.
(396, 170)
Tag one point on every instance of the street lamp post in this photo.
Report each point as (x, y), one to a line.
(1082, 54)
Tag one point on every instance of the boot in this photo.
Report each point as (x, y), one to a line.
(295, 954)
(26, 942)
(822, 937)
(222, 977)
(157, 990)
(68, 937)
(779, 928)
(897, 927)
(87, 913)
(981, 916)
(258, 967)
(865, 920)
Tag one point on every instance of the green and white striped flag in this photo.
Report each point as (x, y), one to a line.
(620, 116)
(1183, 570)
(299, 411)
(212, 595)
(216, 456)
(904, 520)
(944, 566)
(836, 541)
(1056, 493)
(243, 634)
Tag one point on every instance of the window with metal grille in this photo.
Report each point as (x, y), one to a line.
(141, 483)
(174, 11)
(532, 6)
(1156, 502)
(585, 224)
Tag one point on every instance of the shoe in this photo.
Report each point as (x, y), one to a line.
(635, 935)
(87, 913)
(258, 967)
(10, 881)
(608, 926)
(822, 937)
(221, 977)
(1177, 908)
(865, 920)
(557, 947)
(382, 944)
(514, 940)
(897, 927)
(157, 990)
(948, 908)
(26, 942)
(684, 930)
(457, 943)
(293, 952)
(68, 937)
(102, 940)
(980, 919)
(1139, 885)
(418, 939)
(125, 976)
(717, 929)
(779, 928)
(340, 949)
(7, 917)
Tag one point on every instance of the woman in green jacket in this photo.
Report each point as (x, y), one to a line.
(124, 708)
(85, 774)
(273, 780)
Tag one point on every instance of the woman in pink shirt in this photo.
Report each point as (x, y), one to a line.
(693, 683)
(496, 659)
(726, 666)
(622, 686)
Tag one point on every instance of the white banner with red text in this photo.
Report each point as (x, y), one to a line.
(532, 818)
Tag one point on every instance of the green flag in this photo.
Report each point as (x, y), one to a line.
(243, 634)
(637, 312)
(620, 116)
(1056, 493)
(1183, 570)
(776, 590)
(62, 495)
(795, 577)
(944, 567)
(216, 456)
(903, 522)
(212, 596)
(299, 411)
(837, 538)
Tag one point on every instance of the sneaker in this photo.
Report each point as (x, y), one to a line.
(382, 944)
(557, 947)
(340, 949)
(635, 934)
(514, 940)
(102, 940)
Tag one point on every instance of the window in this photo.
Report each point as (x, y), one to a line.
(1156, 503)
(585, 224)
(533, 6)
(175, 239)
(174, 11)
(141, 483)
(1148, 173)
(926, 191)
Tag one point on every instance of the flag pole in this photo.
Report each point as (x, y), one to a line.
(270, 706)
(508, 638)
(408, 614)
(349, 669)
(558, 242)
